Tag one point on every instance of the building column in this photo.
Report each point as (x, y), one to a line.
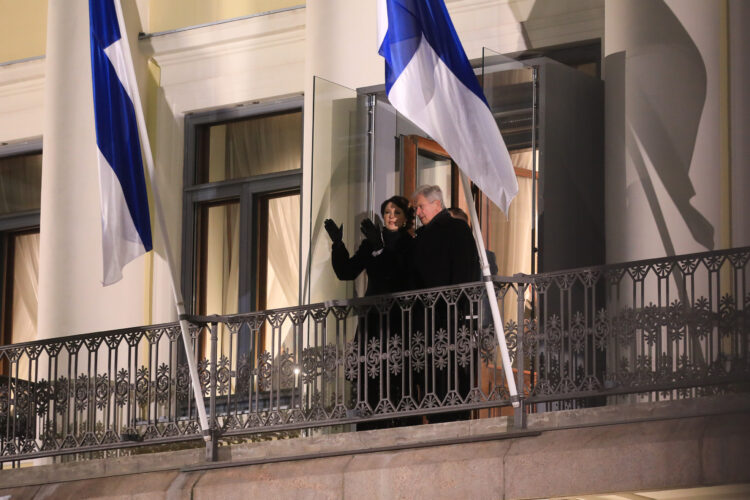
(71, 297)
(663, 161)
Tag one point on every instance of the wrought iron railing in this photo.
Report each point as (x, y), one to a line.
(665, 328)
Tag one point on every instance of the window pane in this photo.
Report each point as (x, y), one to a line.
(219, 242)
(20, 183)
(25, 287)
(254, 146)
(282, 284)
(282, 261)
(435, 172)
(21, 294)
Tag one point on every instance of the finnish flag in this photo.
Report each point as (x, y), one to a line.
(429, 80)
(126, 225)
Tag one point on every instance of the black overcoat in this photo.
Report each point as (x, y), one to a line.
(387, 272)
(444, 253)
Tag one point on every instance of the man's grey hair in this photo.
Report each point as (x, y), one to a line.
(431, 193)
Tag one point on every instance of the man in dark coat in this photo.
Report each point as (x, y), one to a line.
(444, 253)
(444, 250)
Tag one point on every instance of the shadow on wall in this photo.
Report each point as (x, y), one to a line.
(664, 91)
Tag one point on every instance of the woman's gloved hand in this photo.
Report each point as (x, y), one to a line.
(335, 232)
(372, 234)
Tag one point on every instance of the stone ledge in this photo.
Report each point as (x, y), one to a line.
(583, 424)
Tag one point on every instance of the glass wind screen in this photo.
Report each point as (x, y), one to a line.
(387, 172)
(340, 186)
(510, 91)
(282, 261)
(253, 146)
(20, 183)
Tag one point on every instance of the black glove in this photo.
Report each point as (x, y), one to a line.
(335, 232)
(372, 234)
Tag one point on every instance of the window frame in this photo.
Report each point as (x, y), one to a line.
(10, 225)
(245, 190)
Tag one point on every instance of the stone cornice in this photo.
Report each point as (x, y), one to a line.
(246, 35)
(21, 78)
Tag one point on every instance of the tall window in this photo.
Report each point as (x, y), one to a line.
(20, 192)
(242, 210)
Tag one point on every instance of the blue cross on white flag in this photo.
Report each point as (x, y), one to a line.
(126, 226)
(429, 80)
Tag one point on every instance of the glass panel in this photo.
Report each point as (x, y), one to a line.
(252, 146)
(386, 171)
(435, 171)
(509, 87)
(282, 261)
(20, 183)
(218, 257)
(510, 91)
(340, 188)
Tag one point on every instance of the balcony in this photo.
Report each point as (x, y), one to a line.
(661, 330)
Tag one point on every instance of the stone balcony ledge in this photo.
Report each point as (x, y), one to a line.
(687, 443)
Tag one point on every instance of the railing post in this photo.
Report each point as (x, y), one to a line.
(213, 442)
(519, 414)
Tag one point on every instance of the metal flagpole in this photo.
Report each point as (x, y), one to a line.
(492, 296)
(179, 303)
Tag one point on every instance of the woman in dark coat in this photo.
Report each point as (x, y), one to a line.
(384, 255)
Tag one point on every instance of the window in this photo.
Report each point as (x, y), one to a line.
(20, 193)
(242, 211)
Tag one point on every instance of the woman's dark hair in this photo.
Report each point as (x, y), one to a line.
(403, 204)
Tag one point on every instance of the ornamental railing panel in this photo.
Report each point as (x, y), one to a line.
(669, 328)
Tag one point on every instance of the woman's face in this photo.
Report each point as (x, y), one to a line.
(393, 217)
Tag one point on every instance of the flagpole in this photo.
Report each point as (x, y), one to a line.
(179, 302)
(491, 295)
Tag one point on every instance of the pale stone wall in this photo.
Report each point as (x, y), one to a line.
(666, 174)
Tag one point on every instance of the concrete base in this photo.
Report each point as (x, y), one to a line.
(651, 446)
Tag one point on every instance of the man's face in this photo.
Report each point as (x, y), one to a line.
(426, 209)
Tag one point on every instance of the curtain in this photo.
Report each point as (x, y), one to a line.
(263, 145)
(510, 238)
(25, 293)
(221, 267)
(282, 281)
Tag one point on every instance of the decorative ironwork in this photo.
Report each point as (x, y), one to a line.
(487, 344)
(395, 355)
(81, 390)
(122, 387)
(373, 358)
(101, 391)
(142, 386)
(351, 360)
(223, 376)
(666, 328)
(418, 352)
(163, 383)
(265, 371)
(204, 376)
(61, 395)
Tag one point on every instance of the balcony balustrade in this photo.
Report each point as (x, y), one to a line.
(661, 329)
